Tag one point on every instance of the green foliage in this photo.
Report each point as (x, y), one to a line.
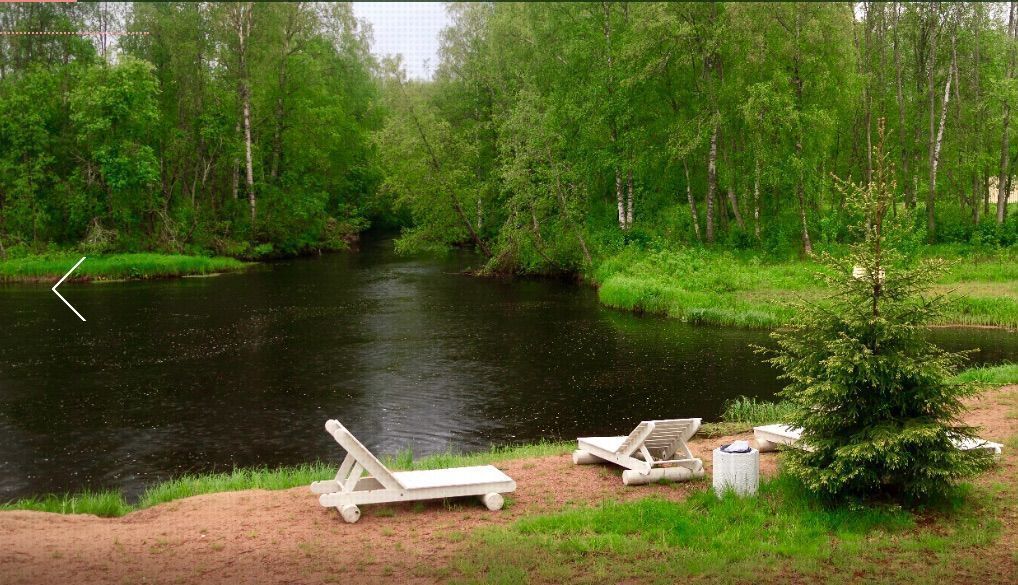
(873, 395)
(570, 131)
(144, 150)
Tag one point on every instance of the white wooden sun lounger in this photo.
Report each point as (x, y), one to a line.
(768, 438)
(352, 487)
(655, 450)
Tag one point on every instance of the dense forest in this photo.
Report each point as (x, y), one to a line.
(241, 128)
(552, 135)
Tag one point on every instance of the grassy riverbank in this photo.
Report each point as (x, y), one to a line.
(742, 289)
(114, 267)
(740, 415)
(113, 504)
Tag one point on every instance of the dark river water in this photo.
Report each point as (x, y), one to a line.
(203, 374)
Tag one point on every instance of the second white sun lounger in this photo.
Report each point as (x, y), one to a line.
(768, 437)
(352, 487)
(655, 450)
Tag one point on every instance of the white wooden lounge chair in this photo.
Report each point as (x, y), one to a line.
(655, 450)
(351, 487)
(768, 438)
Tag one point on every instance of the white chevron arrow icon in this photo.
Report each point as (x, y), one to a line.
(61, 281)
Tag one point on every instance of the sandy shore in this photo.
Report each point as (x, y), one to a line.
(281, 537)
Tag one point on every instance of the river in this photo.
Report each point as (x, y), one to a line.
(204, 374)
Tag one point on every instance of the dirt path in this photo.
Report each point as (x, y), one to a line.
(262, 537)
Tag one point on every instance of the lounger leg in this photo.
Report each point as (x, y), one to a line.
(631, 477)
(493, 501)
(764, 446)
(350, 513)
(584, 458)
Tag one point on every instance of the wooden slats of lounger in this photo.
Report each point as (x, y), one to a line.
(653, 443)
(352, 487)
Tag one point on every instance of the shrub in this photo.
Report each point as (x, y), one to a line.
(875, 398)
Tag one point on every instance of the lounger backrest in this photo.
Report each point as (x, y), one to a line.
(670, 436)
(636, 438)
(661, 437)
(361, 454)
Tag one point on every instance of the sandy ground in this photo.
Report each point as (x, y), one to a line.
(263, 537)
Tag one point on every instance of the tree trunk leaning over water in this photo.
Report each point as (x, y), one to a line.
(436, 167)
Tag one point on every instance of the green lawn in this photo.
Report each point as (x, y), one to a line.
(782, 535)
(114, 267)
(725, 288)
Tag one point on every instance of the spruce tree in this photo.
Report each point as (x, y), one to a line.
(875, 398)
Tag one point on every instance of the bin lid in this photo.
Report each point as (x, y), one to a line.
(737, 447)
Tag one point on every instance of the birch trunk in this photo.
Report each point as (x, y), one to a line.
(236, 170)
(909, 193)
(976, 203)
(243, 24)
(756, 199)
(692, 203)
(932, 94)
(734, 200)
(1005, 146)
(629, 200)
(248, 159)
(807, 244)
(620, 199)
(931, 222)
(712, 182)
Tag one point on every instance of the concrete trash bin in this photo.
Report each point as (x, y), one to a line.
(736, 468)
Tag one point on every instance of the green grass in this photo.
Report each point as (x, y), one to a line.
(780, 533)
(743, 413)
(741, 289)
(108, 504)
(114, 267)
(755, 412)
(999, 375)
(113, 504)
